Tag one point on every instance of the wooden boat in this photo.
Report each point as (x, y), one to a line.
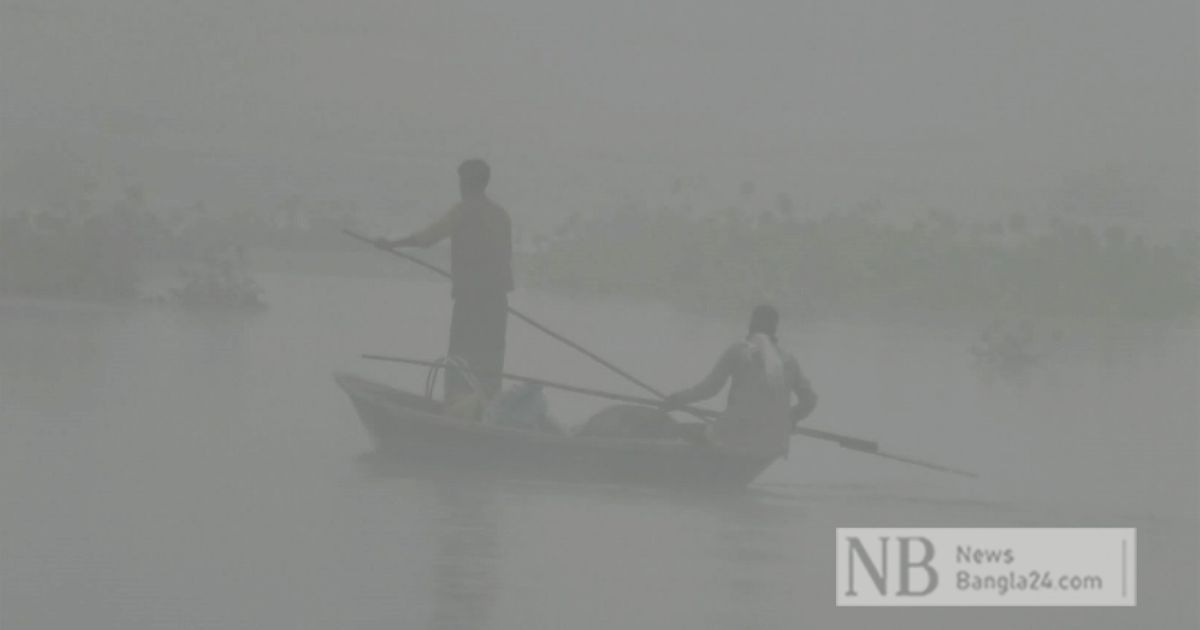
(411, 432)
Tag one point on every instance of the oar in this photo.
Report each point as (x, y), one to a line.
(519, 315)
(844, 441)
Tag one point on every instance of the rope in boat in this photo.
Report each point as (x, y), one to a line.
(445, 363)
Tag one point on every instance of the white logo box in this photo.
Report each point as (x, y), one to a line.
(905, 566)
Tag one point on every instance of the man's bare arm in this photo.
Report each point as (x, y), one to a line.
(711, 385)
(434, 233)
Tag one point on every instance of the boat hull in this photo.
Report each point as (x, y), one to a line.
(408, 431)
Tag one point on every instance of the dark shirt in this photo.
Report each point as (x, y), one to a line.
(480, 234)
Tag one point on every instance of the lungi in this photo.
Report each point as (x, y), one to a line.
(477, 336)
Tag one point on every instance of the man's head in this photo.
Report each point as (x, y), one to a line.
(473, 176)
(765, 320)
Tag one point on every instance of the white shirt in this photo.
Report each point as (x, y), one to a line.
(757, 420)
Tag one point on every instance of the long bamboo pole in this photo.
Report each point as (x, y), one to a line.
(519, 315)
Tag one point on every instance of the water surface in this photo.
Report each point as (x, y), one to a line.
(166, 469)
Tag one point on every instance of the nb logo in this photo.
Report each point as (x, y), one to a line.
(903, 563)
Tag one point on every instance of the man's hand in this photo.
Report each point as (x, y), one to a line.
(799, 413)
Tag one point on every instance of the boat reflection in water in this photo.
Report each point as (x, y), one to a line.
(467, 552)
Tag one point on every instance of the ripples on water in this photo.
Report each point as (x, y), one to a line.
(183, 470)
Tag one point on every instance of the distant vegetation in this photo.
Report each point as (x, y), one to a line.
(81, 254)
(109, 252)
(191, 254)
(857, 264)
(846, 264)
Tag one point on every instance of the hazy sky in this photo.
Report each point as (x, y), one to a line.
(947, 100)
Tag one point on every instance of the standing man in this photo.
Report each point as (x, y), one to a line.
(480, 234)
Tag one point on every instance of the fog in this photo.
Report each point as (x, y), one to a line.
(978, 222)
(965, 107)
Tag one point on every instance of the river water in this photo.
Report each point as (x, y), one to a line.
(169, 469)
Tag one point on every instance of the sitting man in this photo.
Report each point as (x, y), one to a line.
(759, 418)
